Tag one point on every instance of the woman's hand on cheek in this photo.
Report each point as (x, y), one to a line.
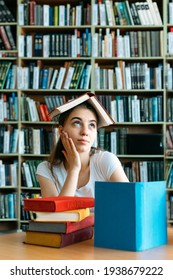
(70, 152)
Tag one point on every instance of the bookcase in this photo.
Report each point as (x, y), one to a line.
(65, 48)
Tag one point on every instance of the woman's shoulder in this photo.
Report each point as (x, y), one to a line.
(103, 155)
(43, 164)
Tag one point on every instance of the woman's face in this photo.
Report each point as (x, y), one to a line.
(81, 127)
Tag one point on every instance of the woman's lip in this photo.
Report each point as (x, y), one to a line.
(83, 141)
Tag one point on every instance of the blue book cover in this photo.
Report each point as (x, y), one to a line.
(130, 216)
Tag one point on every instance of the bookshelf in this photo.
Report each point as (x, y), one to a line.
(124, 62)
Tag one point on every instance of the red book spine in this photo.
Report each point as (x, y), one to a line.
(74, 226)
(76, 236)
(5, 38)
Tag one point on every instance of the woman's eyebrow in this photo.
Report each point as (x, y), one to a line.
(78, 118)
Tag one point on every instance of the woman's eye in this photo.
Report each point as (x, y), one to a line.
(92, 125)
(77, 123)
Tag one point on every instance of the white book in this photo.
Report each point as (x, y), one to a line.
(113, 138)
(54, 77)
(169, 74)
(136, 109)
(68, 13)
(87, 77)
(95, 14)
(109, 12)
(21, 146)
(95, 45)
(120, 105)
(36, 75)
(97, 77)
(140, 13)
(36, 141)
(32, 109)
(147, 77)
(102, 12)
(108, 46)
(46, 45)
(170, 12)
(78, 15)
(158, 72)
(128, 81)
(29, 45)
(148, 13)
(157, 12)
(25, 77)
(46, 15)
(21, 46)
(110, 79)
(119, 81)
(143, 171)
(69, 77)
(20, 79)
(120, 46)
(170, 43)
(152, 11)
(13, 175)
(2, 174)
(114, 109)
(28, 178)
(74, 45)
(60, 78)
(21, 14)
(6, 142)
(61, 15)
(126, 45)
(13, 82)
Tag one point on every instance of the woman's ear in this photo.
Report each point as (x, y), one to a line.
(60, 128)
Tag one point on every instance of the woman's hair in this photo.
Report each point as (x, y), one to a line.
(56, 157)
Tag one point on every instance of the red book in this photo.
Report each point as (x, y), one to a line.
(61, 227)
(57, 203)
(58, 240)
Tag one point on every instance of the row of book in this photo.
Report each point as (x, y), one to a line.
(9, 174)
(59, 221)
(37, 140)
(126, 13)
(8, 205)
(7, 39)
(9, 136)
(144, 171)
(74, 44)
(32, 13)
(169, 76)
(126, 75)
(8, 107)
(135, 108)
(73, 75)
(6, 15)
(7, 75)
(29, 178)
(120, 141)
(27, 215)
(137, 43)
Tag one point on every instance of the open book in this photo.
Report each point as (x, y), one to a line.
(104, 117)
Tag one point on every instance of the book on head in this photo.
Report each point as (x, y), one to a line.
(57, 203)
(133, 217)
(104, 118)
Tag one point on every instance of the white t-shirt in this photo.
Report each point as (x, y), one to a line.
(102, 165)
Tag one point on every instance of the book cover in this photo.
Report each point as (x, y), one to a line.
(133, 217)
(104, 117)
(61, 227)
(58, 240)
(64, 216)
(58, 203)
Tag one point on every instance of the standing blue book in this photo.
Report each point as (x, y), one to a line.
(130, 216)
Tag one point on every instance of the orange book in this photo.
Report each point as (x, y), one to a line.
(57, 203)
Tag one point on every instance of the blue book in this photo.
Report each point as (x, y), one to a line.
(130, 216)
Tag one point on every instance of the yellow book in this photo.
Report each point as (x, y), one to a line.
(72, 215)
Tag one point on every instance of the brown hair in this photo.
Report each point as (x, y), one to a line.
(56, 157)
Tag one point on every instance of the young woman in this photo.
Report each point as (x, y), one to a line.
(74, 165)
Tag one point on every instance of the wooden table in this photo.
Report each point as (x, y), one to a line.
(12, 247)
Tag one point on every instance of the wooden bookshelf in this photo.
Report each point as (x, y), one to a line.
(127, 64)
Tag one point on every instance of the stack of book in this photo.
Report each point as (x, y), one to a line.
(59, 221)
